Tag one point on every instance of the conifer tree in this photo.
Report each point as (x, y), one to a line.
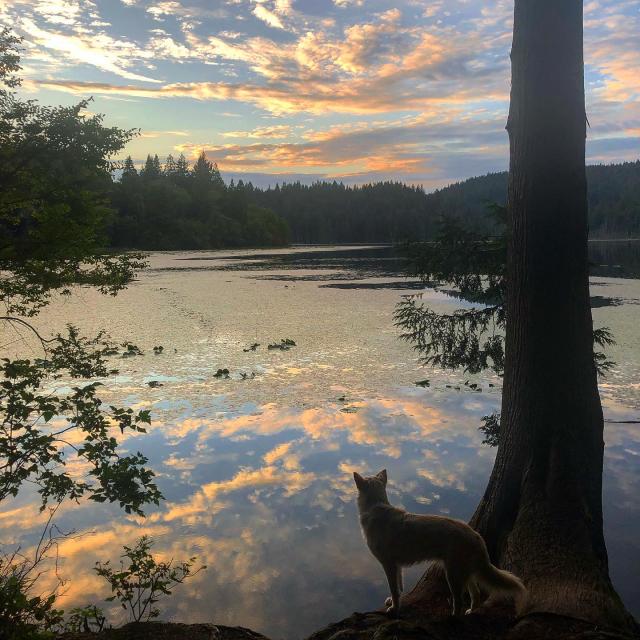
(129, 169)
(169, 168)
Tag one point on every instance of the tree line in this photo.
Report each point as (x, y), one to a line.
(613, 197)
(176, 206)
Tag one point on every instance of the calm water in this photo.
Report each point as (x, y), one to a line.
(257, 472)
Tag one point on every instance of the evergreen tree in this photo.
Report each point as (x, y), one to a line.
(129, 169)
(152, 168)
(169, 168)
(178, 208)
(206, 171)
(182, 167)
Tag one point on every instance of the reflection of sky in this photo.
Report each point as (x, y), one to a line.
(257, 473)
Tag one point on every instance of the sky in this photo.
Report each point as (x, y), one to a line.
(353, 90)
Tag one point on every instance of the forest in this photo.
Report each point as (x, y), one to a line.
(175, 206)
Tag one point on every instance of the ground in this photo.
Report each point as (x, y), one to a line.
(494, 624)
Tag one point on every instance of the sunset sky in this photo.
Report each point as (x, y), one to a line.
(357, 90)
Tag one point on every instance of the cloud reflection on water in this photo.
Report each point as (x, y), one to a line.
(257, 473)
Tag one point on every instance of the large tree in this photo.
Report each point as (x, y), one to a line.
(541, 514)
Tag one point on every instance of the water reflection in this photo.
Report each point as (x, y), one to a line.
(257, 472)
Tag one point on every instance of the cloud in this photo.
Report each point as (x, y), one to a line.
(364, 43)
(159, 134)
(63, 12)
(318, 99)
(206, 501)
(167, 47)
(167, 8)
(273, 131)
(98, 50)
(268, 17)
(349, 66)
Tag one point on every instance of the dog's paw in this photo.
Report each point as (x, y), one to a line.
(468, 611)
(388, 602)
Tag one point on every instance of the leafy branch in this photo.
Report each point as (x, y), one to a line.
(472, 267)
(40, 430)
(141, 580)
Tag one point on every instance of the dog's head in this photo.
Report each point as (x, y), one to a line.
(372, 489)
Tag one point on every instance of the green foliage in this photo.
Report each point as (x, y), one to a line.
(613, 193)
(42, 429)
(466, 338)
(87, 619)
(328, 212)
(603, 338)
(471, 338)
(265, 228)
(490, 427)
(55, 175)
(178, 207)
(24, 616)
(55, 172)
(140, 581)
(474, 264)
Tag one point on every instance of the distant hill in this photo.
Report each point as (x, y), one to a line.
(613, 191)
(330, 212)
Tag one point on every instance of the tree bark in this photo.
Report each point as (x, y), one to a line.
(541, 514)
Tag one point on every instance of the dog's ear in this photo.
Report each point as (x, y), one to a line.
(382, 476)
(360, 482)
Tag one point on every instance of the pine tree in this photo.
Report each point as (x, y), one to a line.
(129, 169)
(202, 169)
(182, 167)
(169, 168)
(151, 168)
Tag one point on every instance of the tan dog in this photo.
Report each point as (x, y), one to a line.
(399, 539)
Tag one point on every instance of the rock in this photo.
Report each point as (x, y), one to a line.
(485, 624)
(167, 631)
(413, 624)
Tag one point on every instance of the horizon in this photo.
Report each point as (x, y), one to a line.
(264, 181)
(322, 90)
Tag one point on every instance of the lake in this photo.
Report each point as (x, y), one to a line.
(257, 472)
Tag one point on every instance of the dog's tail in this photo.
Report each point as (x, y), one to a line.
(499, 581)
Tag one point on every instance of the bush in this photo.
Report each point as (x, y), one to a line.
(140, 583)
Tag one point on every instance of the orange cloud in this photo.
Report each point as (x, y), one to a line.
(205, 503)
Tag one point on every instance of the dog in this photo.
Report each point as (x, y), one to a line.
(399, 539)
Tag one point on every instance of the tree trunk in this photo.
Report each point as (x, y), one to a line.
(541, 514)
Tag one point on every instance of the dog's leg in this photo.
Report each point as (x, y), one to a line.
(388, 602)
(456, 587)
(475, 594)
(391, 571)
